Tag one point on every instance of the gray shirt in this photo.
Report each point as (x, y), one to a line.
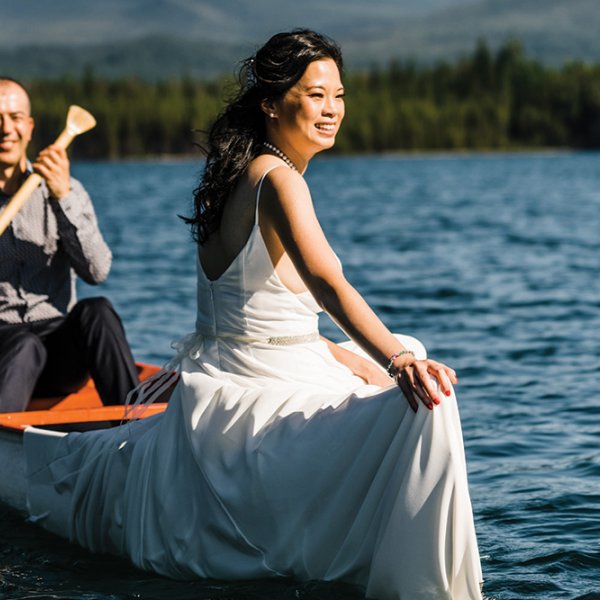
(46, 246)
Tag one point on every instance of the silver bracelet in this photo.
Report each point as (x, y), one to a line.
(392, 371)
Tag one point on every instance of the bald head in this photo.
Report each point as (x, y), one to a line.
(13, 96)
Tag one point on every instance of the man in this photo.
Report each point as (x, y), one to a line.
(49, 344)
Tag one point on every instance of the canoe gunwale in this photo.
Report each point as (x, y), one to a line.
(83, 406)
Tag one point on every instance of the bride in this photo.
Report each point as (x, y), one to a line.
(280, 453)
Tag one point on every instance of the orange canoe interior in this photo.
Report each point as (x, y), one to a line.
(83, 406)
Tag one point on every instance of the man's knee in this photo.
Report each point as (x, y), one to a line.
(94, 321)
(91, 307)
(94, 311)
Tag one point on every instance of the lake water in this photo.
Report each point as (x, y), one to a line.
(493, 261)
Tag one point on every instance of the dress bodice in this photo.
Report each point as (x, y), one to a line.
(249, 298)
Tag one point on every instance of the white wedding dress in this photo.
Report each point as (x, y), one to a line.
(272, 459)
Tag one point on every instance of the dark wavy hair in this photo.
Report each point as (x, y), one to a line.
(236, 136)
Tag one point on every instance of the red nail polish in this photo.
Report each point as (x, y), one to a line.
(448, 392)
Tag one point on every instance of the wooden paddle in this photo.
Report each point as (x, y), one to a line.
(79, 121)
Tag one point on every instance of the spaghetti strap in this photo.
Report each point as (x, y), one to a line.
(259, 188)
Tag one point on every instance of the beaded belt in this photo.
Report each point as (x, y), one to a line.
(290, 340)
(191, 344)
(278, 340)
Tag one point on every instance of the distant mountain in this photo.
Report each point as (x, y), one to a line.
(158, 39)
(151, 58)
(60, 22)
(553, 31)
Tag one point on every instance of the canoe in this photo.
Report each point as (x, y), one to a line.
(80, 411)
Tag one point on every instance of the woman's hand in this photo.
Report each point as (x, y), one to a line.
(416, 381)
(370, 373)
(364, 368)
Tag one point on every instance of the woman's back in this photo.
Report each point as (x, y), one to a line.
(245, 207)
(234, 229)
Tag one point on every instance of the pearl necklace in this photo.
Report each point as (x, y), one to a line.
(281, 155)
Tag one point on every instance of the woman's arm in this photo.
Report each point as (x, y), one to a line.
(367, 370)
(289, 220)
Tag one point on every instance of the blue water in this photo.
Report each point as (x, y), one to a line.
(493, 261)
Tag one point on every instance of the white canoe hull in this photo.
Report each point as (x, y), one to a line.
(13, 463)
(13, 485)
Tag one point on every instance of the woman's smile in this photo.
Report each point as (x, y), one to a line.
(329, 129)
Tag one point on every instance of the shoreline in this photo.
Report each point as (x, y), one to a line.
(401, 154)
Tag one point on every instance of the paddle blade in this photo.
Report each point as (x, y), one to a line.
(79, 120)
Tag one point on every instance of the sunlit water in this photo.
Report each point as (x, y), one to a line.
(492, 261)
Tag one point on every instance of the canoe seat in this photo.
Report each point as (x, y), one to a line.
(86, 397)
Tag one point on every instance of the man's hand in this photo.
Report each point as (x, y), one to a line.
(52, 164)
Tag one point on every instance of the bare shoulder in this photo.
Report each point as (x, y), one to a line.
(286, 188)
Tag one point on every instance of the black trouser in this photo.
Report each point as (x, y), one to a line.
(56, 356)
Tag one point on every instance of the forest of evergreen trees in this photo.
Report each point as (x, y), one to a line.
(489, 100)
